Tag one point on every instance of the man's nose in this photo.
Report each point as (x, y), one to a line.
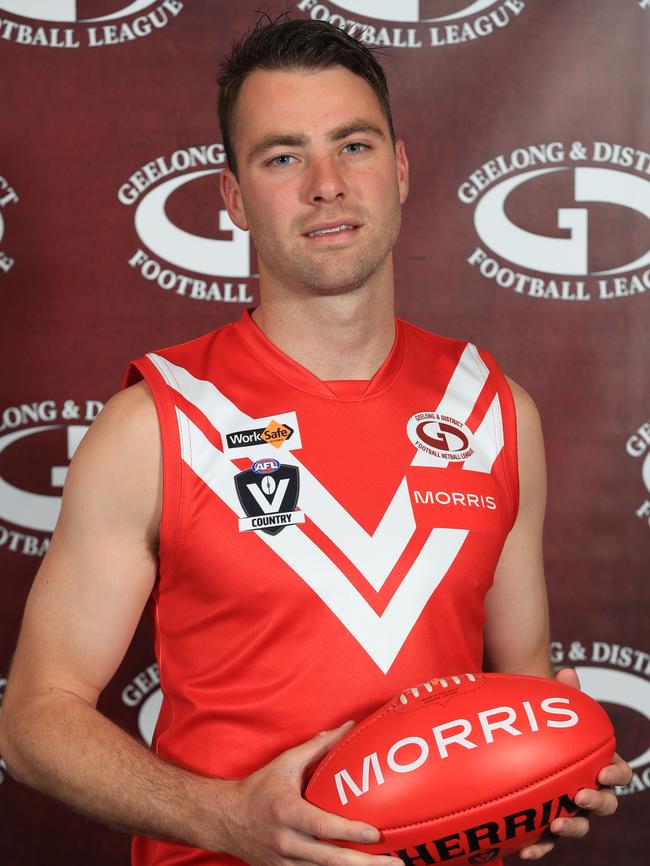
(326, 181)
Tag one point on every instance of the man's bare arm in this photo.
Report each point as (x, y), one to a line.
(517, 628)
(79, 620)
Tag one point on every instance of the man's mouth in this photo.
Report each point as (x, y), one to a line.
(331, 230)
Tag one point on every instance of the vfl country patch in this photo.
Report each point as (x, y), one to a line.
(440, 436)
(269, 500)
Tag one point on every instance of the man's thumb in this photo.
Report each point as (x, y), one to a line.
(319, 745)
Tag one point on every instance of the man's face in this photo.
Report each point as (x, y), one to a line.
(320, 184)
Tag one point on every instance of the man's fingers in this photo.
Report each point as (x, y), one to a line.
(599, 802)
(539, 849)
(570, 828)
(568, 677)
(332, 855)
(616, 773)
(312, 821)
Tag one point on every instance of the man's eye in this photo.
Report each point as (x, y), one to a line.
(355, 147)
(281, 160)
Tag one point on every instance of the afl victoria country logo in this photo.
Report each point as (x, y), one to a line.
(7, 197)
(72, 24)
(552, 228)
(415, 23)
(440, 436)
(190, 245)
(37, 442)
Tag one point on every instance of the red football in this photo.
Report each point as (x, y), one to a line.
(466, 768)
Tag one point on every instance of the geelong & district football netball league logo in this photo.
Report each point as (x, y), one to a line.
(563, 222)
(37, 442)
(75, 23)
(416, 23)
(440, 436)
(188, 245)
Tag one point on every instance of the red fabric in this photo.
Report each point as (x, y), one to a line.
(252, 658)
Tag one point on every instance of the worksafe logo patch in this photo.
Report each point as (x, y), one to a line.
(416, 23)
(189, 245)
(618, 676)
(563, 222)
(37, 442)
(638, 447)
(75, 23)
(280, 431)
(8, 197)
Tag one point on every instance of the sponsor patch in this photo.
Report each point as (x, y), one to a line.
(270, 500)
(278, 431)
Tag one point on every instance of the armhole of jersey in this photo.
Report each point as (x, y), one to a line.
(509, 421)
(173, 491)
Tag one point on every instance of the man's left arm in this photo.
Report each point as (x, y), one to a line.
(517, 630)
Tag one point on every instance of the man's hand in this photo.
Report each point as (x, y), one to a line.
(600, 802)
(268, 822)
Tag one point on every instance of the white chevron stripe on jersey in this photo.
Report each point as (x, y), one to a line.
(459, 399)
(488, 439)
(374, 555)
(381, 636)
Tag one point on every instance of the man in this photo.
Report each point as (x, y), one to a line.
(290, 489)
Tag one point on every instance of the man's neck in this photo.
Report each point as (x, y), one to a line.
(334, 337)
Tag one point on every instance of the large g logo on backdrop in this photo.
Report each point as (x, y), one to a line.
(408, 10)
(36, 511)
(618, 687)
(560, 255)
(66, 10)
(225, 258)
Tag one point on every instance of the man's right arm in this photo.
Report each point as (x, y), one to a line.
(81, 614)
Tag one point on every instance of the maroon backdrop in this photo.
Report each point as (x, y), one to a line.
(527, 231)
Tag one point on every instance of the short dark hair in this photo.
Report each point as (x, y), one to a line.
(290, 44)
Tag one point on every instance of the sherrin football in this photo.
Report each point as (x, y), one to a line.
(466, 768)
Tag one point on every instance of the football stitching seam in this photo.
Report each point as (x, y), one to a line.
(503, 796)
(371, 721)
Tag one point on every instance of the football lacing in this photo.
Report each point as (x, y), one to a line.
(441, 681)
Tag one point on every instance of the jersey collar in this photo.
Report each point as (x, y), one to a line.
(298, 376)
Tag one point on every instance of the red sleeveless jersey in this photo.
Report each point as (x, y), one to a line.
(323, 546)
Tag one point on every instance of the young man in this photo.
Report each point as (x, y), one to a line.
(339, 502)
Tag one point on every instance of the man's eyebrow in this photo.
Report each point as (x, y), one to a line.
(353, 128)
(276, 140)
(279, 139)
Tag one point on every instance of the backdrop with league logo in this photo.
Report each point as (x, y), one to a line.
(527, 231)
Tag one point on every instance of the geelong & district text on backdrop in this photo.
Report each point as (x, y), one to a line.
(617, 674)
(8, 197)
(37, 442)
(563, 221)
(178, 218)
(69, 23)
(416, 23)
(638, 446)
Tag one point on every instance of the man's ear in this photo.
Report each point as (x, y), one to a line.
(402, 170)
(232, 198)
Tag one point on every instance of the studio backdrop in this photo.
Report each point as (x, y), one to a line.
(527, 231)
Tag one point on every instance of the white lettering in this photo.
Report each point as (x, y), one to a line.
(344, 777)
